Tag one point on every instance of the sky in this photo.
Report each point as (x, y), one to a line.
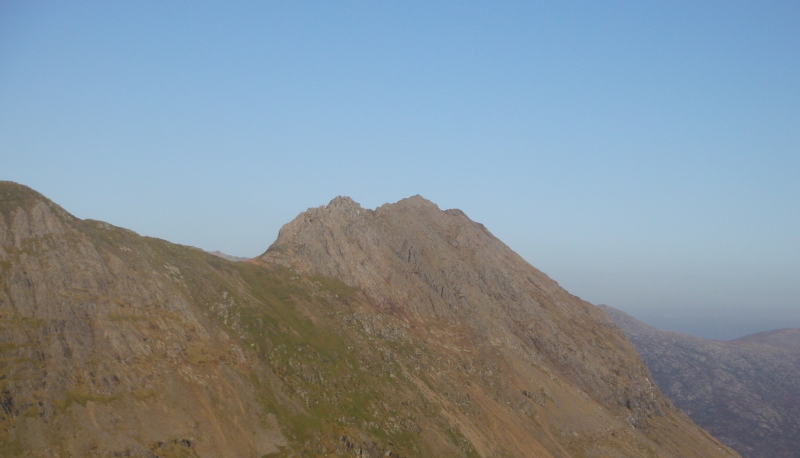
(645, 155)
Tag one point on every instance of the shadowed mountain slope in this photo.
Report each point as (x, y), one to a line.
(745, 391)
(113, 344)
(788, 339)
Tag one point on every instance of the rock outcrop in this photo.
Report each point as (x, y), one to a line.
(446, 280)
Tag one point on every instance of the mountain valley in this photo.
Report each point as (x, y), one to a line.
(744, 391)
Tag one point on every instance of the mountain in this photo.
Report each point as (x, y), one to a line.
(746, 392)
(228, 257)
(403, 331)
(445, 281)
(788, 339)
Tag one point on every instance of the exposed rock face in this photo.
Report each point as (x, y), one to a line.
(447, 280)
(745, 391)
(438, 341)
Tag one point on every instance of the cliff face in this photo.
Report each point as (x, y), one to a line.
(745, 391)
(405, 331)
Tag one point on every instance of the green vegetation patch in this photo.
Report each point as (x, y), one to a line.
(337, 383)
(334, 377)
(81, 398)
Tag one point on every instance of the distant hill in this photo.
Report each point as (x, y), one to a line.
(228, 257)
(788, 339)
(746, 392)
(405, 331)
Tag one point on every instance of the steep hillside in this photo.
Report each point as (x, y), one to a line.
(534, 361)
(746, 391)
(113, 344)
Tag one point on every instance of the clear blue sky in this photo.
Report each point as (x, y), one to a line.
(643, 154)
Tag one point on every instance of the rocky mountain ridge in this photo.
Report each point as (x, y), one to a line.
(424, 265)
(401, 331)
(745, 391)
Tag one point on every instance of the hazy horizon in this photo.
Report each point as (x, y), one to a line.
(644, 156)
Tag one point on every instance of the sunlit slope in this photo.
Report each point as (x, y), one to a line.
(518, 356)
(117, 344)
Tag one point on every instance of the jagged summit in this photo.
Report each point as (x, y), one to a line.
(348, 204)
(413, 201)
(343, 202)
(342, 212)
(345, 239)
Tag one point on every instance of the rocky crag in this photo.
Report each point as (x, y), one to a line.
(403, 331)
(552, 364)
(745, 391)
